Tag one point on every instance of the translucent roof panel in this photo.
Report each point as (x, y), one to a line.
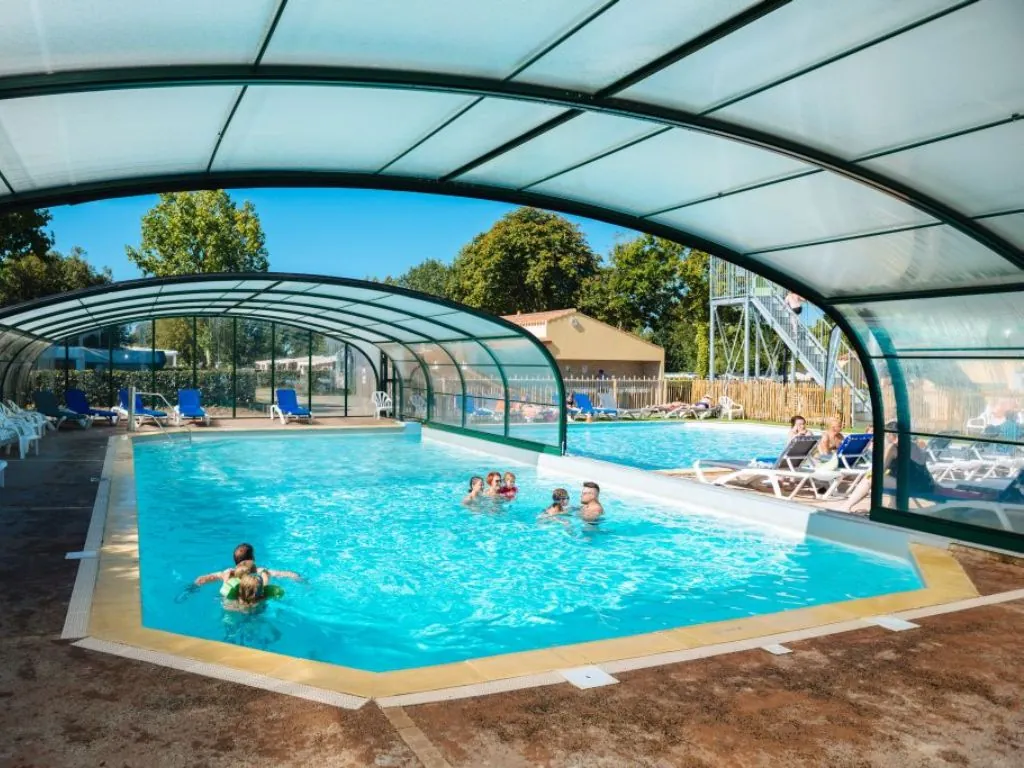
(358, 129)
(625, 37)
(807, 209)
(783, 43)
(927, 257)
(464, 36)
(483, 126)
(979, 172)
(956, 324)
(669, 169)
(905, 92)
(49, 36)
(76, 138)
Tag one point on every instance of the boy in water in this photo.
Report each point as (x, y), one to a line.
(559, 503)
(242, 553)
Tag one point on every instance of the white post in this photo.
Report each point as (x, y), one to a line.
(131, 408)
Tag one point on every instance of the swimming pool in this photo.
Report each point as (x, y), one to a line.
(672, 445)
(400, 574)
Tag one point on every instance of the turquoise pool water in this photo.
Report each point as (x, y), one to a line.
(400, 574)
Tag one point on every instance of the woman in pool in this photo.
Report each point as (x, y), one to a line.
(798, 427)
(476, 489)
(509, 490)
(493, 484)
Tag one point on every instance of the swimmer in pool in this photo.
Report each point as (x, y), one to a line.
(476, 490)
(242, 553)
(559, 503)
(590, 508)
(508, 487)
(493, 484)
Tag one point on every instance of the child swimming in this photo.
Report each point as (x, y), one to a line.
(508, 487)
(476, 489)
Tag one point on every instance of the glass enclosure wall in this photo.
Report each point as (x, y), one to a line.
(235, 363)
(951, 371)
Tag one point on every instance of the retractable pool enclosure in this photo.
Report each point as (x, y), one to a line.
(442, 363)
(868, 155)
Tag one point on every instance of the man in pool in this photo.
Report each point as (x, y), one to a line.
(590, 508)
(242, 553)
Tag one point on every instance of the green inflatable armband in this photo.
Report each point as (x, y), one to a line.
(229, 589)
(273, 591)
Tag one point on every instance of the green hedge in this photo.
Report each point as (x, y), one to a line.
(215, 386)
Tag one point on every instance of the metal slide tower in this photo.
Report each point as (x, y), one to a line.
(754, 334)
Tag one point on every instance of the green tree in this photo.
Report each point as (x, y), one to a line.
(33, 276)
(530, 260)
(194, 232)
(430, 276)
(23, 233)
(641, 286)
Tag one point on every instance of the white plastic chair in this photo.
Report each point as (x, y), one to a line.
(730, 407)
(382, 404)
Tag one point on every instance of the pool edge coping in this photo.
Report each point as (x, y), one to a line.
(114, 617)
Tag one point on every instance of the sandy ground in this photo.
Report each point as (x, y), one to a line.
(949, 693)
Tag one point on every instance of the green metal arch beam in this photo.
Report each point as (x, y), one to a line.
(22, 86)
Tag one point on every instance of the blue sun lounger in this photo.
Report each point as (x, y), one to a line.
(587, 408)
(189, 407)
(79, 403)
(141, 411)
(287, 407)
(46, 404)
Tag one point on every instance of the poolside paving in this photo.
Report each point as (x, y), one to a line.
(949, 693)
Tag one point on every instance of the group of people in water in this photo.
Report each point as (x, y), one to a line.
(499, 487)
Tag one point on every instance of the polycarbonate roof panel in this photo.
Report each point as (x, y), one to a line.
(927, 258)
(579, 140)
(484, 126)
(672, 168)
(463, 36)
(628, 35)
(74, 138)
(55, 35)
(320, 128)
(908, 88)
(952, 323)
(792, 38)
(1010, 226)
(980, 172)
(807, 209)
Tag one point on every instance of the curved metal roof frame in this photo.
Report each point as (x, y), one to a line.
(823, 145)
(397, 321)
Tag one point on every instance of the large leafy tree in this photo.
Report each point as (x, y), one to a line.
(640, 287)
(190, 232)
(430, 276)
(530, 260)
(23, 233)
(33, 276)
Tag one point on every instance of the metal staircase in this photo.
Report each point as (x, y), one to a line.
(732, 285)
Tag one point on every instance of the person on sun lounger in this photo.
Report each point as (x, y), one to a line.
(798, 427)
(242, 553)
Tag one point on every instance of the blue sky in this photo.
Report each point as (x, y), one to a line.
(344, 232)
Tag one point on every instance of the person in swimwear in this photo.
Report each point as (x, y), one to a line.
(509, 490)
(559, 503)
(590, 508)
(242, 553)
(476, 490)
(493, 484)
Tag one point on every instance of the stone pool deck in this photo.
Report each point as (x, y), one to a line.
(949, 692)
